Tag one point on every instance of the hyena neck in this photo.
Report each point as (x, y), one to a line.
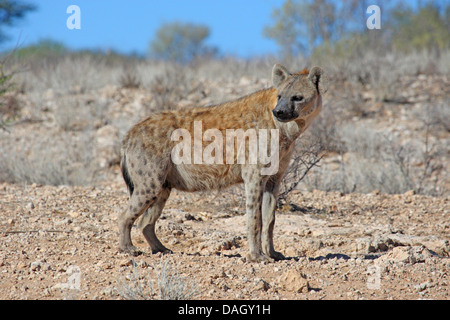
(290, 131)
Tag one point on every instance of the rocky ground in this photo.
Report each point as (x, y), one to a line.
(61, 243)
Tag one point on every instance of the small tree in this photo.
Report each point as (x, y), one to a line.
(5, 85)
(10, 12)
(339, 26)
(425, 29)
(301, 25)
(181, 42)
(286, 29)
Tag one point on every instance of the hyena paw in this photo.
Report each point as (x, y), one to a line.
(162, 250)
(258, 258)
(130, 250)
(277, 256)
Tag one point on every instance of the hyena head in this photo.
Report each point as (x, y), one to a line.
(299, 94)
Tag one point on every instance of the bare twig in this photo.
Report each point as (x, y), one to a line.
(32, 231)
(306, 156)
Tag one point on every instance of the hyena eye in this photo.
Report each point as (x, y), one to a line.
(278, 97)
(297, 98)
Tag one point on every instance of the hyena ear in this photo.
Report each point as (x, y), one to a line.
(316, 76)
(279, 75)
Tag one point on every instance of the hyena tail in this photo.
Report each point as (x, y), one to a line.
(126, 175)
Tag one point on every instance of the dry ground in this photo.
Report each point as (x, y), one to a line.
(339, 246)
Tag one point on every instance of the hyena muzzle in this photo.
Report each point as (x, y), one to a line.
(150, 171)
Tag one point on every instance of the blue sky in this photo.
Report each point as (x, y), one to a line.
(128, 26)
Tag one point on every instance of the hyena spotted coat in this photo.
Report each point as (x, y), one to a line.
(149, 172)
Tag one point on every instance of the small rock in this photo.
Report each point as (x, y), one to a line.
(293, 280)
(262, 285)
(410, 193)
(407, 255)
(143, 264)
(40, 266)
(45, 266)
(291, 252)
(229, 244)
(30, 206)
(423, 286)
(108, 291)
(224, 287)
(62, 222)
(35, 266)
(127, 262)
(105, 264)
(189, 217)
(47, 292)
(74, 214)
(441, 247)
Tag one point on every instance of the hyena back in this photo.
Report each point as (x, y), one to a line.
(150, 172)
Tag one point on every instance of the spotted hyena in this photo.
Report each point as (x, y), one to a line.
(150, 171)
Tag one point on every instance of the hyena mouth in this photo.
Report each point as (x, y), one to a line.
(285, 117)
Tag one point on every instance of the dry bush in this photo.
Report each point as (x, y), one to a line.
(173, 85)
(130, 79)
(79, 112)
(171, 285)
(379, 74)
(362, 158)
(136, 286)
(69, 74)
(230, 69)
(378, 161)
(307, 154)
(64, 159)
(436, 116)
(9, 107)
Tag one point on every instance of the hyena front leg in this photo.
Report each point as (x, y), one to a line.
(268, 208)
(254, 188)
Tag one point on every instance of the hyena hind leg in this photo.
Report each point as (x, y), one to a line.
(139, 202)
(148, 220)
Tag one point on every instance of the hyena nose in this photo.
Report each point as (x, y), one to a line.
(282, 114)
(283, 110)
(278, 113)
